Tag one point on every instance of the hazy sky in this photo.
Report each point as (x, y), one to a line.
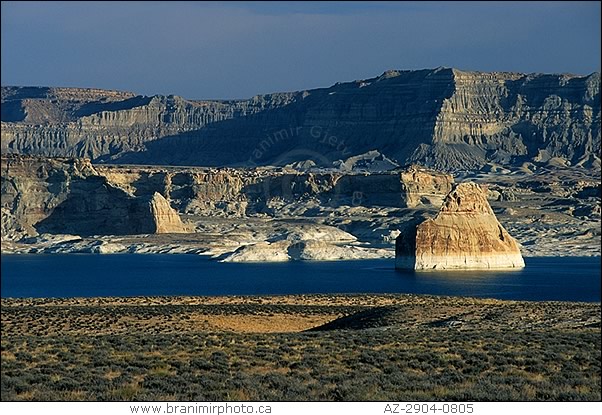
(236, 50)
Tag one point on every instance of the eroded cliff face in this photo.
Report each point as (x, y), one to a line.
(71, 201)
(422, 186)
(60, 195)
(67, 196)
(164, 218)
(465, 234)
(42, 105)
(503, 117)
(32, 187)
(61, 122)
(442, 118)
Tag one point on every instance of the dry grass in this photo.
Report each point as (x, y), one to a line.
(252, 348)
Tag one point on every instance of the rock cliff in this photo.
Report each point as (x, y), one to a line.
(67, 196)
(78, 206)
(424, 186)
(465, 234)
(163, 217)
(62, 195)
(240, 192)
(442, 118)
(65, 122)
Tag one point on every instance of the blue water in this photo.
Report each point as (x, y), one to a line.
(78, 275)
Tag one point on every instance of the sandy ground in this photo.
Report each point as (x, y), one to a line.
(282, 314)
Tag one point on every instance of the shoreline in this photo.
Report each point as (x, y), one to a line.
(211, 256)
(368, 299)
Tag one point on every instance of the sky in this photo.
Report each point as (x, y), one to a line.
(227, 50)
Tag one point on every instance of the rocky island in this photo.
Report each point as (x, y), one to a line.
(465, 234)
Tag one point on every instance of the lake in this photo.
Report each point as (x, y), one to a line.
(82, 275)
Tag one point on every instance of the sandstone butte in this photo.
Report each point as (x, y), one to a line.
(465, 234)
(163, 217)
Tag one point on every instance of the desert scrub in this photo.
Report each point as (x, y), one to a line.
(389, 365)
(162, 349)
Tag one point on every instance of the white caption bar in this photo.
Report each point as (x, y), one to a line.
(301, 408)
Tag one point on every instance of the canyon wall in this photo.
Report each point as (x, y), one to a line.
(67, 196)
(63, 195)
(442, 118)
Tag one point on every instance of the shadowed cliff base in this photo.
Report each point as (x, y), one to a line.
(94, 207)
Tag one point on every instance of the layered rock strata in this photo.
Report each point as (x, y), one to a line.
(424, 186)
(465, 234)
(68, 196)
(57, 195)
(443, 118)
